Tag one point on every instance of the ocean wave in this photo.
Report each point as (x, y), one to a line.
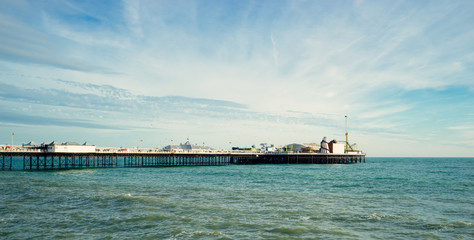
(464, 224)
(378, 216)
(183, 234)
(147, 218)
(289, 231)
(76, 172)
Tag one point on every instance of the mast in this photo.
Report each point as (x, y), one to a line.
(347, 138)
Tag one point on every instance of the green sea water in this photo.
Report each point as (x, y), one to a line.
(384, 198)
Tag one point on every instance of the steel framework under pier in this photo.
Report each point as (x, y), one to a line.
(7, 161)
(167, 159)
(56, 161)
(299, 159)
(68, 161)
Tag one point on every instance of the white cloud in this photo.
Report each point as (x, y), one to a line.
(132, 15)
(461, 128)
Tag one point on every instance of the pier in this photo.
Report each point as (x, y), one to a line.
(30, 160)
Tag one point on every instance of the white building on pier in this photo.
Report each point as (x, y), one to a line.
(70, 147)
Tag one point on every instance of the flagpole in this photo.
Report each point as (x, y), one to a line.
(11, 148)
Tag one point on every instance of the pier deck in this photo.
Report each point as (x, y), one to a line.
(55, 161)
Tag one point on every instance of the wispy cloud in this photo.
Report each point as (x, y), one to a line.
(132, 16)
(22, 44)
(26, 119)
(109, 98)
(275, 51)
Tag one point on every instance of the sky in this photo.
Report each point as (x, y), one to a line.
(238, 73)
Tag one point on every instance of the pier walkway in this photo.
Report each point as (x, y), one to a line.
(34, 160)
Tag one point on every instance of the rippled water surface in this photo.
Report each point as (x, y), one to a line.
(385, 198)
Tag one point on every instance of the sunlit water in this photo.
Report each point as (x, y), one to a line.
(385, 198)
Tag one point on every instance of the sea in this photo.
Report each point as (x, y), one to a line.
(383, 198)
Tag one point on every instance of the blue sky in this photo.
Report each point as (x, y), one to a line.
(237, 73)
